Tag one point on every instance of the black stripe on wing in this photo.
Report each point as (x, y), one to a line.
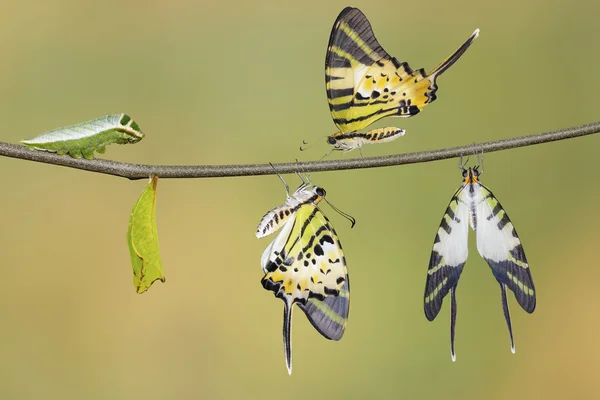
(513, 271)
(442, 276)
(516, 278)
(439, 284)
(360, 29)
(329, 316)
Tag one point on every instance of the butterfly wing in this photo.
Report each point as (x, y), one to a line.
(364, 83)
(448, 257)
(305, 260)
(499, 244)
(329, 316)
(449, 254)
(305, 264)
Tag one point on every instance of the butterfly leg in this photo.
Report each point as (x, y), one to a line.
(480, 161)
(306, 182)
(287, 188)
(287, 334)
(360, 151)
(452, 322)
(507, 317)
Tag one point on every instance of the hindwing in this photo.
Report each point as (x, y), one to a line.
(329, 316)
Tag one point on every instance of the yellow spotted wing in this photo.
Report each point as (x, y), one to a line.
(305, 264)
(364, 83)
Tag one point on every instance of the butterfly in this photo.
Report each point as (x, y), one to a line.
(364, 83)
(497, 241)
(305, 264)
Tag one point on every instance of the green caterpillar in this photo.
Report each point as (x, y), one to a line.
(81, 140)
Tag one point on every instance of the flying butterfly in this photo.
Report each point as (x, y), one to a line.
(305, 264)
(364, 83)
(497, 242)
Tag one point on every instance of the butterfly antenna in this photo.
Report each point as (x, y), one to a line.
(343, 214)
(287, 188)
(327, 154)
(306, 145)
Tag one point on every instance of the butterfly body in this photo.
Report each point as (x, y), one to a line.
(474, 205)
(305, 265)
(355, 140)
(276, 217)
(364, 83)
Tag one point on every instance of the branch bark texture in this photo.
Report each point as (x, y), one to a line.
(142, 171)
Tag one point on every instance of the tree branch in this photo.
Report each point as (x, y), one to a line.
(141, 171)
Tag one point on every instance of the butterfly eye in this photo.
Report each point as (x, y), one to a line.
(320, 192)
(331, 140)
(465, 172)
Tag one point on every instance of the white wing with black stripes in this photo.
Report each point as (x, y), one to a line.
(499, 244)
(448, 257)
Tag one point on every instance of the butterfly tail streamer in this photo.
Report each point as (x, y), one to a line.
(448, 62)
(452, 322)
(287, 335)
(507, 317)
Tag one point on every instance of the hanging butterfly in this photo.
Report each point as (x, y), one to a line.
(305, 264)
(497, 242)
(364, 83)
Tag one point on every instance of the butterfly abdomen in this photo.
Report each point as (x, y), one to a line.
(383, 135)
(276, 218)
(354, 140)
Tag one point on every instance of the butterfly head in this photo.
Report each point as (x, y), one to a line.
(340, 143)
(319, 194)
(471, 175)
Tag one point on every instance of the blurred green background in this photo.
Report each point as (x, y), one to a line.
(219, 83)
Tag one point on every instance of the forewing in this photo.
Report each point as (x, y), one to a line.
(358, 71)
(499, 244)
(449, 254)
(364, 83)
(305, 259)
